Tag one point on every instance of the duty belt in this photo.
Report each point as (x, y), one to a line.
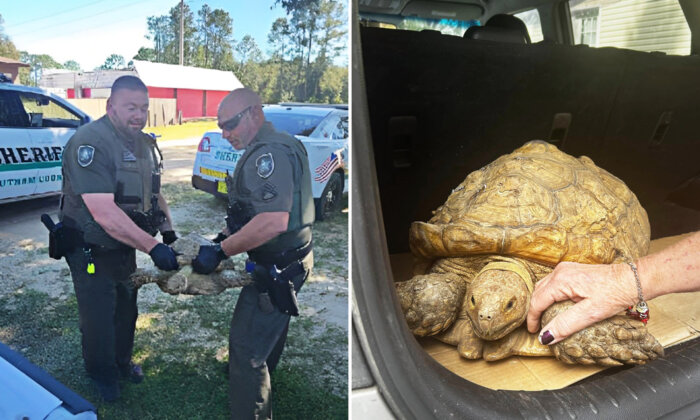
(275, 283)
(284, 258)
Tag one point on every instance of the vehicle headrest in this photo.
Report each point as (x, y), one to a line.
(501, 28)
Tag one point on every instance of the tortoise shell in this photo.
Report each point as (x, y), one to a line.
(540, 204)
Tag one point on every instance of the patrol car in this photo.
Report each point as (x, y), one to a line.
(322, 128)
(35, 126)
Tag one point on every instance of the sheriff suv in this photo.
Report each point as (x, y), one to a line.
(322, 128)
(34, 128)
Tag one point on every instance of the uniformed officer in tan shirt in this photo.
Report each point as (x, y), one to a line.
(270, 216)
(111, 178)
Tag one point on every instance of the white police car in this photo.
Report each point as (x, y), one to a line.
(322, 128)
(34, 128)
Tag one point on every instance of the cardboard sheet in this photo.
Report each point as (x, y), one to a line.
(674, 319)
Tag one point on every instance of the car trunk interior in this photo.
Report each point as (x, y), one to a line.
(441, 106)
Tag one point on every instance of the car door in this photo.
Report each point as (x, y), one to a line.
(18, 172)
(51, 126)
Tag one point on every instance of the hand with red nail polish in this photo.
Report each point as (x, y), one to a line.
(601, 291)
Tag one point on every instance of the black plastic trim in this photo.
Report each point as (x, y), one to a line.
(207, 186)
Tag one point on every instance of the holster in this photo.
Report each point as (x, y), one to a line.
(148, 221)
(237, 216)
(278, 282)
(62, 239)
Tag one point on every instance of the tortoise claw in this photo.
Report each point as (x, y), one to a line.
(612, 342)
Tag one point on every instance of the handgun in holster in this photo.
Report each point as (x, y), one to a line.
(62, 239)
(282, 292)
(237, 216)
(279, 282)
(148, 221)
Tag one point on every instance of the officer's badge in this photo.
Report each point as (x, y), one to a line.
(265, 165)
(85, 155)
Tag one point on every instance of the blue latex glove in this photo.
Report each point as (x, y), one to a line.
(208, 259)
(164, 257)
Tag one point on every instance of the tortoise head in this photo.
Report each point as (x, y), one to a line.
(498, 299)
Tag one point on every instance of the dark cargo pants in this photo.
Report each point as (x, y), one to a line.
(107, 310)
(256, 341)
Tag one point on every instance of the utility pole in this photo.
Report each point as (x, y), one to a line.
(182, 31)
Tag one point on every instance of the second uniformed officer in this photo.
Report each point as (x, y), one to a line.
(111, 205)
(271, 211)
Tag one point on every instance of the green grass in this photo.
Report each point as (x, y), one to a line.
(184, 379)
(185, 131)
(182, 194)
(330, 242)
(304, 399)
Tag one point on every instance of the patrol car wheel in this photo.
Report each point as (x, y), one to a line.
(330, 199)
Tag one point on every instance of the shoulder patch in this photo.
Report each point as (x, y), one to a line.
(85, 155)
(265, 165)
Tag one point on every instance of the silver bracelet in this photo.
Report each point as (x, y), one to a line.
(640, 311)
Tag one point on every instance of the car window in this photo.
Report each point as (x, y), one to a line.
(341, 129)
(637, 25)
(12, 113)
(412, 23)
(532, 21)
(332, 127)
(293, 123)
(43, 111)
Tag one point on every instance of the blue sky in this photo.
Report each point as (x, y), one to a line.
(88, 31)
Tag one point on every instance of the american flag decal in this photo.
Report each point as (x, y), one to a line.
(325, 170)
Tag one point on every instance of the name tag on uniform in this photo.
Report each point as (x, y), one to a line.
(127, 156)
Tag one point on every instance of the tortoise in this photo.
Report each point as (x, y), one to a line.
(184, 280)
(504, 228)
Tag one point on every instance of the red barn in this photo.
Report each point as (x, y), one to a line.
(198, 91)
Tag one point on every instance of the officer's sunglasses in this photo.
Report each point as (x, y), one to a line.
(231, 124)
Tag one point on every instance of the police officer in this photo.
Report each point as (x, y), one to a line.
(270, 216)
(111, 178)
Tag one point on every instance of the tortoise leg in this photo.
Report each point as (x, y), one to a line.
(518, 343)
(461, 334)
(430, 302)
(612, 342)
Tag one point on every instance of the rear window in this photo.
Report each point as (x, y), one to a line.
(445, 26)
(294, 123)
(531, 18)
(642, 25)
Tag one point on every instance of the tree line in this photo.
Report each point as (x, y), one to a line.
(299, 66)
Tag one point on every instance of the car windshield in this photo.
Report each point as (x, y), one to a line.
(295, 124)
